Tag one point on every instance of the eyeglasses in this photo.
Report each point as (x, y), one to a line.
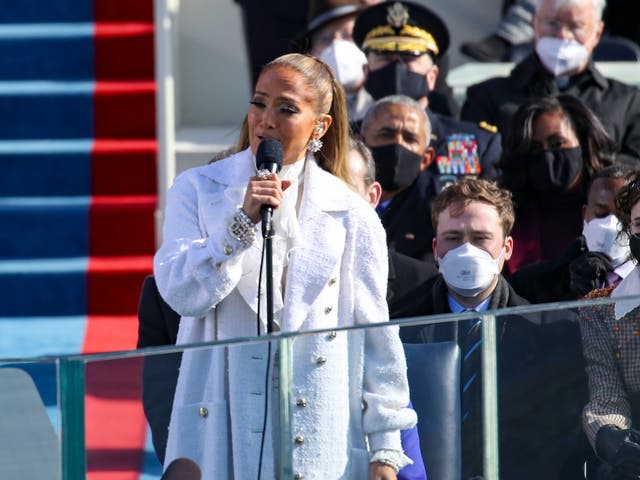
(634, 184)
(579, 31)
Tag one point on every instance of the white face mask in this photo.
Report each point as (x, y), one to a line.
(469, 270)
(602, 236)
(560, 56)
(346, 61)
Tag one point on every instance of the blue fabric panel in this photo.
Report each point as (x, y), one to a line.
(44, 377)
(52, 57)
(43, 293)
(31, 337)
(151, 467)
(45, 174)
(46, 115)
(44, 228)
(30, 11)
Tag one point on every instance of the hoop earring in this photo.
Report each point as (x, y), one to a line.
(314, 145)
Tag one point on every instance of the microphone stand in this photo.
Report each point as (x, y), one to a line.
(267, 234)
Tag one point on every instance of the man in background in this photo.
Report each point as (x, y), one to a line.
(540, 370)
(566, 32)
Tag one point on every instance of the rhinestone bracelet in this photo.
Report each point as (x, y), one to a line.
(242, 228)
(385, 461)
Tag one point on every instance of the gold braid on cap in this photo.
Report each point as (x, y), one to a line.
(409, 39)
(418, 32)
(396, 43)
(380, 31)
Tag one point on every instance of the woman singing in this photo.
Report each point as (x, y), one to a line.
(348, 389)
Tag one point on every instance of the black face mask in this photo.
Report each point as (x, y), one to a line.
(634, 246)
(555, 170)
(396, 79)
(396, 167)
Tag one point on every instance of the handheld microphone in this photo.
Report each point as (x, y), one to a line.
(269, 157)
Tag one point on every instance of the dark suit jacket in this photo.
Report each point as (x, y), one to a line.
(541, 385)
(405, 273)
(549, 280)
(407, 219)
(157, 326)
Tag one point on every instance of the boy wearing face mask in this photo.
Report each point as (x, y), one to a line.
(597, 258)
(472, 219)
(566, 32)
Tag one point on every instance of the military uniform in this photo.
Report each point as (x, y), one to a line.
(616, 104)
(463, 149)
(459, 152)
(406, 29)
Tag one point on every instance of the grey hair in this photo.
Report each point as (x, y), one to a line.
(363, 151)
(373, 110)
(598, 5)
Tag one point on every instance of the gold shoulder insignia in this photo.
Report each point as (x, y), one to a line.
(488, 127)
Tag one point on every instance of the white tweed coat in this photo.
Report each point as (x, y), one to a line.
(349, 391)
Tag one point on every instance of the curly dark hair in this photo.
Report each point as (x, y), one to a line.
(626, 198)
(598, 149)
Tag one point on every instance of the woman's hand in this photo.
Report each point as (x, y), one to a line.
(267, 191)
(380, 471)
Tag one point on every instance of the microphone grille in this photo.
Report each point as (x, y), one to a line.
(269, 153)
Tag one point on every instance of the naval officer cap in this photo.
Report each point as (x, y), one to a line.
(403, 27)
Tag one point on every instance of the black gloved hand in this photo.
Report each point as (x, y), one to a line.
(620, 449)
(588, 271)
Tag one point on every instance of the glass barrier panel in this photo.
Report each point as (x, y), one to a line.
(499, 394)
(30, 417)
(224, 403)
(451, 373)
(377, 381)
(550, 377)
(316, 409)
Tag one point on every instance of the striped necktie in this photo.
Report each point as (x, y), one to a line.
(471, 366)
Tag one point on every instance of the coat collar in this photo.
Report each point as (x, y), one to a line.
(326, 191)
(530, 72)
(322, 239)
(321, 189)
(234, 170)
